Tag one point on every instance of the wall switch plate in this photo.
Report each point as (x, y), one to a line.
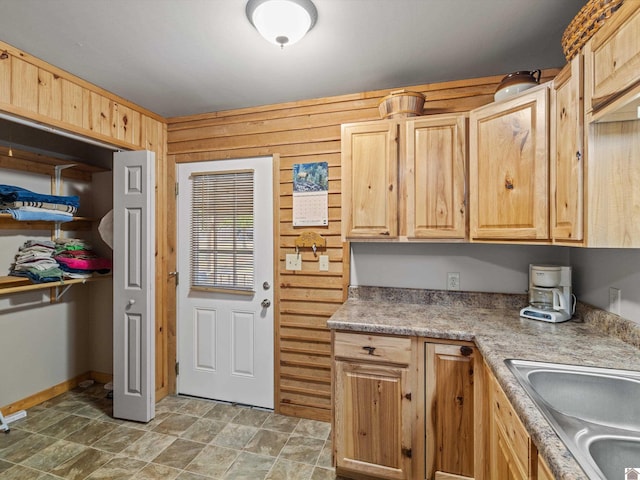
(323, 263)
(614, 300)
(453, 281)
(293, 261)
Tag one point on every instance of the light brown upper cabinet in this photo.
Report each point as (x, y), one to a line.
(405, 179)
(435, 177)
(612, 128)
(612, 57)
(370, 180)
(567, 155)
(508, 168)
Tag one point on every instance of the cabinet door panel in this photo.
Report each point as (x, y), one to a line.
(544, 472)
(370, 172)
(509, 168)
(372, 420)
(435, 176)
(567, 154)
(506, 468)
(449, 396)
(614, 55)
(511, 449)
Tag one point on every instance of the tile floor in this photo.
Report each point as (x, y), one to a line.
(74, 437)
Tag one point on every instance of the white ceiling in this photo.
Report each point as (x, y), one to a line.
(182, 57)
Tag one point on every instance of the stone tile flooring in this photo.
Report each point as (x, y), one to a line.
(73, 436)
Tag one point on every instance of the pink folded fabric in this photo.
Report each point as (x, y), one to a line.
(83, 260)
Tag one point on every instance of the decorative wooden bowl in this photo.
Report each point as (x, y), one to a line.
(401, 104)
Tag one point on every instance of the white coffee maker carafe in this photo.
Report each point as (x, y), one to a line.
(550, 297)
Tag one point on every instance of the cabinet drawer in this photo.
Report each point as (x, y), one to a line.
(378, 348)
(507, 419)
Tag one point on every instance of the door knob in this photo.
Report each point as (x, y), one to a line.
(265, 303)
(131, 301)
(266, 285)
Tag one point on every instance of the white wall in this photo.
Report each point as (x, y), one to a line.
(482, 268)
(499, 268)
(101, 292)
(595, 270)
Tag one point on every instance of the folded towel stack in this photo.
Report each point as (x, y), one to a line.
(35, 261)
(77, 259)
(24, 204)
(47, 261)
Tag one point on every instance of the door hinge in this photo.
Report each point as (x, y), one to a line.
(177, 368)
(177, 275)
(177, 188)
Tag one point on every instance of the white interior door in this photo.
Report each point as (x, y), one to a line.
(133, 285)
(225, 336)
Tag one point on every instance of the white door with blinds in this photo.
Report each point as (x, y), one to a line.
(225, 287)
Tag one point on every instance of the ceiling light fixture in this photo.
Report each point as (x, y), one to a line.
(282, 22)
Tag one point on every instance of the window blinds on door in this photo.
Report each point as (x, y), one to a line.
(222, 242)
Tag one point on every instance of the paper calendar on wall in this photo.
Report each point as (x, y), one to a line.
(310, 194)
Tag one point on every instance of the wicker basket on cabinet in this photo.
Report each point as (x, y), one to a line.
(586, 23)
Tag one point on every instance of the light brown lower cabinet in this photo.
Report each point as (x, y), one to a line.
(544, 472)
(512, 454)
(406, 408)
(372, 421)
(449, 402)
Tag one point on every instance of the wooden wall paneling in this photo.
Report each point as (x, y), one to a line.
(46, 94)
(128, 125)
(24, 85)
(301, 132)
(49, 94)
(99, 114)
(72, 107)
(155, 136)
(5, 77)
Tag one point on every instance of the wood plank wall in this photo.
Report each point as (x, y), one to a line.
(35, 90)
(303, 132)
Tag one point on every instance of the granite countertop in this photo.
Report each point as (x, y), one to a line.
(492, 321)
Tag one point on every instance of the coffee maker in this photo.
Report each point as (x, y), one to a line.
(550, 297)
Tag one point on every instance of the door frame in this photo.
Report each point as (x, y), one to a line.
(172, 317)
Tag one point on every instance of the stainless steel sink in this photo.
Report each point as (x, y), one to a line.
(595, 411)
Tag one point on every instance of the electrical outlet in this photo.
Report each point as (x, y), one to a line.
(323, 263)
(453, 281)
(614, 300)
(293, 261)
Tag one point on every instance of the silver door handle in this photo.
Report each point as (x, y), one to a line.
(265, 303)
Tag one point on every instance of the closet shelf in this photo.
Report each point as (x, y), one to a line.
(12, 284)
(78, 223)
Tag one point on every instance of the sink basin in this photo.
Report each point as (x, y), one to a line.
(611, 452)
(603, 398)
(595, 411)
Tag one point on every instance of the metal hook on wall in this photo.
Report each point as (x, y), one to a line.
(311, 240)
